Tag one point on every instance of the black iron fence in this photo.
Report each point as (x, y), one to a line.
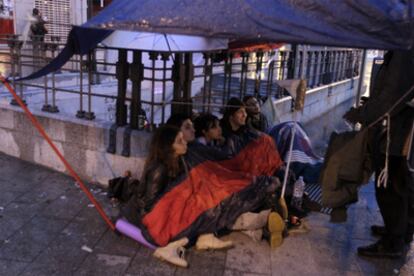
(143, 88)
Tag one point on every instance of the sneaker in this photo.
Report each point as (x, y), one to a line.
(378, 250)
(275, 225)
(173, 253)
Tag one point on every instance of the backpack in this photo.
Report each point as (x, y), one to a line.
(122, 188)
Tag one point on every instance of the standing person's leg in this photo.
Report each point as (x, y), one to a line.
(393, 204)
(393, 201)
(410, 192)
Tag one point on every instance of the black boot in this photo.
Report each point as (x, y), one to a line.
(379, 250)
(380, 231)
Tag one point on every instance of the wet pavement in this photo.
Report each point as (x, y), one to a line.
(48, 227)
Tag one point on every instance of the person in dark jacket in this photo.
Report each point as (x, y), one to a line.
(208, 130)
(396, 198)
(233, 124)
(37, 28)
(255, 118)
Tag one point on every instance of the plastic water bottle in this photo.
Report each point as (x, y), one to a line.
(298, 190)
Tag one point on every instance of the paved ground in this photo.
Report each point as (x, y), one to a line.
(45, 220)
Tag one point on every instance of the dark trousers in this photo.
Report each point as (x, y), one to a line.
(396, 201)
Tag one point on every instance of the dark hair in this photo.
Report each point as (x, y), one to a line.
(232, 106)
(177, 119)
(35, 11)
(204, 122)
(161, 150)
(248, 97)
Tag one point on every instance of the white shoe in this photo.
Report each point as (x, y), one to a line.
(173, 253)
(209, 241)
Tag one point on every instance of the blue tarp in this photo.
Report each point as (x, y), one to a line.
(374, 24)
(80, 41)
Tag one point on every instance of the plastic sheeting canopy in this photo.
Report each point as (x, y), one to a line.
(376, 24)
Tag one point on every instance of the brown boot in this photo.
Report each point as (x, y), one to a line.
(275, 225)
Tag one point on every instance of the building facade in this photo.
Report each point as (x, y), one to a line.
(6, 17)
(59, 14)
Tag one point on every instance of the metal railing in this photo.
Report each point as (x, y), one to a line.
(130, 86)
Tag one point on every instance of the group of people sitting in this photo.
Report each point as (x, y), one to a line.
(205, 177)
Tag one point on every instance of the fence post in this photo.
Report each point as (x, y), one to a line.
(207, 69)
(90, 115)
(81, 112)
(122, 77)
(164, 57)
(53, 47)
(361, 78)
(243, 73)
(178, 78)
(258, 73)
(46, 107)
(15, 58)
(188, 80)
(153, 56)
(136, 72)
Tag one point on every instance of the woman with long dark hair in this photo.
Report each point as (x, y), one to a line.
(163, 166)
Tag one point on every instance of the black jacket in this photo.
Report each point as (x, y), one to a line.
(394, 79)
(154, 183)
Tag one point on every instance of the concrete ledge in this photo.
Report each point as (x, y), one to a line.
(83, 143)
(318, 101)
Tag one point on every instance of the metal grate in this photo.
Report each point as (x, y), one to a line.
(57, 15)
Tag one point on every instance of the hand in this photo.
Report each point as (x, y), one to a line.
(352, 115)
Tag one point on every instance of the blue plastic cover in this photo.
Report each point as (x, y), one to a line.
(374, 24)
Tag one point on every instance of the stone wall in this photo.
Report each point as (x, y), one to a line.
(82, 143)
